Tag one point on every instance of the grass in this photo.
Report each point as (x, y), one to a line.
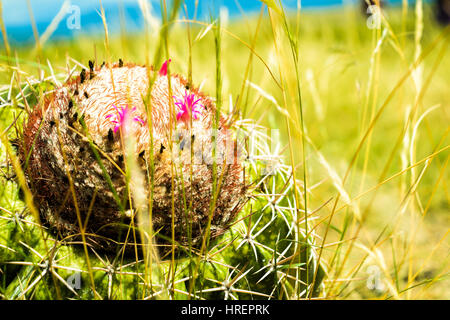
(362, 116)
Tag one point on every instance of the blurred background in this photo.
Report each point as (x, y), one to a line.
(74, 17)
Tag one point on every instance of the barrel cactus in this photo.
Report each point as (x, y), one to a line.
(73, 149)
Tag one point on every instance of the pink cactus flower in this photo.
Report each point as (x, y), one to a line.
(121, 117)
(187, 106)
(163, 70)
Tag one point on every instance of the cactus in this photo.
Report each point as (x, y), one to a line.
(75, 142)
